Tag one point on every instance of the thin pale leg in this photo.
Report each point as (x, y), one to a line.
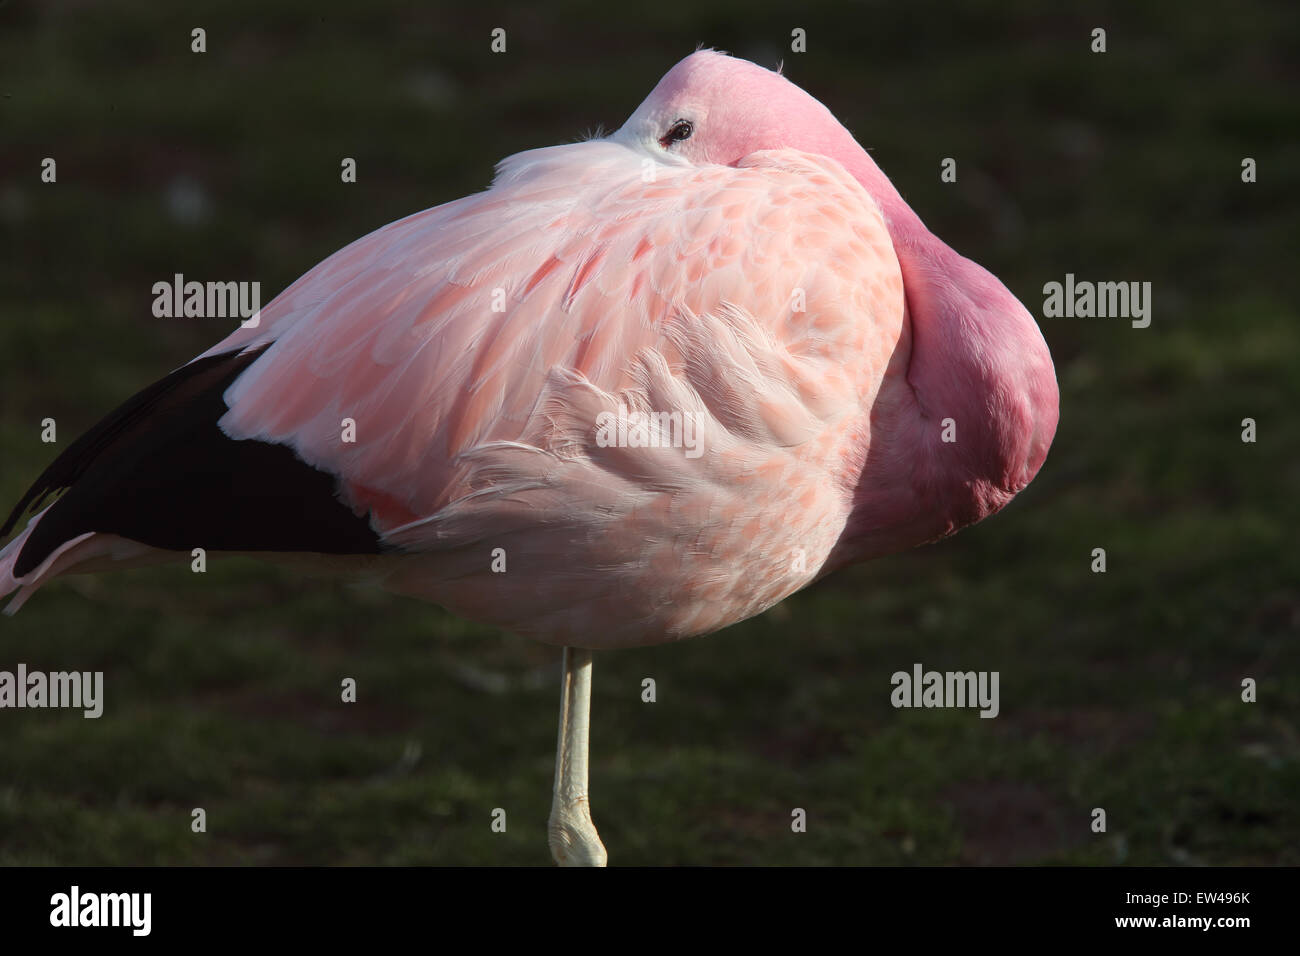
(573, 837)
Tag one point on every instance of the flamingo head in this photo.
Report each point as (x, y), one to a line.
(977, 355)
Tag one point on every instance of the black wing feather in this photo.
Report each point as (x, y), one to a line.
(159, 470)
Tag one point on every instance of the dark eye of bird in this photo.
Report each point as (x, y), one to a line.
(679, 131)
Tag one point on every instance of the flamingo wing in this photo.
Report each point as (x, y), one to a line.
(769, 291)
(447, 372)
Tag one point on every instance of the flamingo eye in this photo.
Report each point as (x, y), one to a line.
(680, 130)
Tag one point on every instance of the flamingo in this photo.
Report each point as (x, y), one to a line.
(800, 376)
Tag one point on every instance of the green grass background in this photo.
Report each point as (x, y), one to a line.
(1119, 690)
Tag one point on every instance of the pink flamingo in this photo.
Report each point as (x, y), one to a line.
(642, 388)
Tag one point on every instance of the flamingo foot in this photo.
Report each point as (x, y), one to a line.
(573, 837)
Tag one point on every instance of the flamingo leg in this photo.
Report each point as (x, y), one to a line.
(572, 835)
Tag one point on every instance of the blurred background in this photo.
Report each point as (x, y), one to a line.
(1118, 690)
